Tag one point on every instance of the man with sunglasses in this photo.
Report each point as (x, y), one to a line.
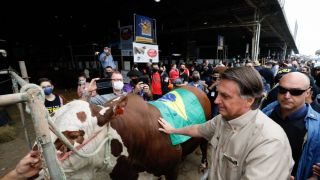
(300, 122)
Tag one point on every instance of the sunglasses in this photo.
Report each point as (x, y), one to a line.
(293, 92)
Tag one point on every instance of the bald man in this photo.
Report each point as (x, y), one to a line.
(300, 122)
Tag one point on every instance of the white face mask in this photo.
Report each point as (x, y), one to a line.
(118, 85)
(81, 81)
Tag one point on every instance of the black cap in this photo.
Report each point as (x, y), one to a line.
(283, 71)
(133, 73)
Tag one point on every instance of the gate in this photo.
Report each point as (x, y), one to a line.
(33, 95)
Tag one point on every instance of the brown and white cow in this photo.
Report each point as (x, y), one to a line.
(136, 145)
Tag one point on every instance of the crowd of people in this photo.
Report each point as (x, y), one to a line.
(265, 118)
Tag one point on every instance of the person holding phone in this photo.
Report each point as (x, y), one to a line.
(138, 84)
(106, 59)
(117, 85)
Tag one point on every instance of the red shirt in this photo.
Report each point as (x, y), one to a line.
(173, 74)
(156, 83)
(186, 71)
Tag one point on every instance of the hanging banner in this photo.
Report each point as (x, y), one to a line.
(143, 53)
(144, 29)
(220, 42)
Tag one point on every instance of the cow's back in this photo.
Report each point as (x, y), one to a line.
(147, 146)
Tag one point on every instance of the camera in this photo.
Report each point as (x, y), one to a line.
(104, 86)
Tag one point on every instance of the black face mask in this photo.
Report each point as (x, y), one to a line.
(155, 70)
(108, 74)
(160, 71)
(195, 78)
(181, 70)
(134, 81)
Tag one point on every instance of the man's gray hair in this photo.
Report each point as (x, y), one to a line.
(249, 82)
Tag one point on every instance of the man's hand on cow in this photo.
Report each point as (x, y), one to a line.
(28, 167)
(166, 127)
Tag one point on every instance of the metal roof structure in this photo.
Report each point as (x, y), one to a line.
(185, 27)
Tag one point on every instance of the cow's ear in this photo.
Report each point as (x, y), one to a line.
(119, 108)
(102, 114)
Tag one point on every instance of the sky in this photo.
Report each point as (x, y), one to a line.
(306, 13)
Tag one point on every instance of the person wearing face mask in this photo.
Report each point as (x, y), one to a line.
(117, 85)
(83, 85)
(183, 75)
(52, 101)
(164, 79)
(156, 82)
(196, 81)
(108, 72)
(133, 75)
(139, 84)
(106, 59)
(185, 69)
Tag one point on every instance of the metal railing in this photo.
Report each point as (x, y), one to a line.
(33, 95)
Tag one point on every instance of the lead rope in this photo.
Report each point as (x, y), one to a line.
(107, 154)
(45, 169)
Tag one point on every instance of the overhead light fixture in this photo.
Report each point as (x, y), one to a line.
(3, 52)
(176, 54)
(205, 23)
(157, 0)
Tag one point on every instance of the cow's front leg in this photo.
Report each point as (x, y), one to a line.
(173, 173)
(124, 170)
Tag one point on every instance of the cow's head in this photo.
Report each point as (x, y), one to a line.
(110, 110)
(74, 137)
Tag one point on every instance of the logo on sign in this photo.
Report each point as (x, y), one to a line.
(152, 53)
(126, 33)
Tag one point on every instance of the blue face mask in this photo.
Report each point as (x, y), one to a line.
(47, 90)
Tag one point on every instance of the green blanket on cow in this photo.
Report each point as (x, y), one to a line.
(180, 108)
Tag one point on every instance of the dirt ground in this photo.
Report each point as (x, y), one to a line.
(11, 152)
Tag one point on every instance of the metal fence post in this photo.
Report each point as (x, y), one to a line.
(40, 119)
(22, 116)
